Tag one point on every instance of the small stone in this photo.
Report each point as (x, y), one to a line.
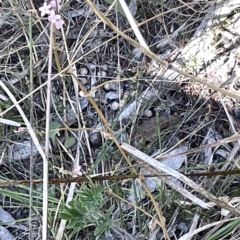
(95, 139)
(105, 67)
(101, 74)
(104, 74)
(83, 80)
(148, 113)
(83, 71)
(107, 86)
(115, 106)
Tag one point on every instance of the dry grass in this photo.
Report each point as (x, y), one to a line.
(102, 90)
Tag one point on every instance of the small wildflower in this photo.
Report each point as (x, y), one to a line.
(19, 130)
(77, 171)
(53, 17)
(45, 9)
(50, 11)
(53, 4)
(58, 24)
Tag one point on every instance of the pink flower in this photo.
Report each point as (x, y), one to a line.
(53, 17)
(58, 24)
(77, 171)
(53, 4)
(45, 9)
(20, 129)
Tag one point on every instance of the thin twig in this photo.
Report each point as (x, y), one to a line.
(45, 162)
(95, 178)
(31, 122)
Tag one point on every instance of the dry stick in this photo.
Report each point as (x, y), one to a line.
(194, 223)
(31, 122)
(95, 178)
(45, 161)
(162, 167)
